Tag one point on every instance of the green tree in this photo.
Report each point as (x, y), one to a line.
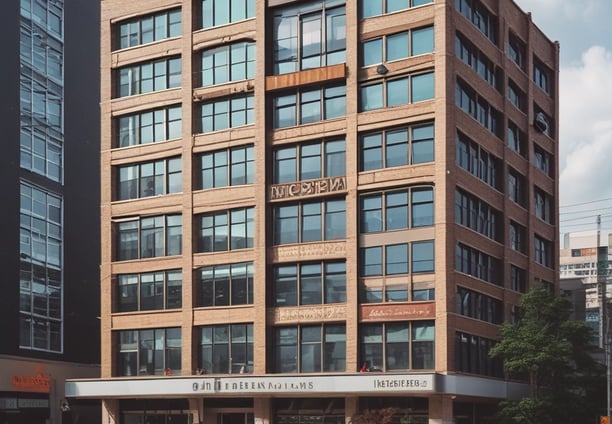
(553, 354)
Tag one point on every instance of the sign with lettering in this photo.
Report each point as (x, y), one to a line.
(40, 382)
(243, 385)
(307, 188)
(392, 311)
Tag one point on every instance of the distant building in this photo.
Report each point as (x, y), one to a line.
(49, 168)
(578, 270)
(294, 192)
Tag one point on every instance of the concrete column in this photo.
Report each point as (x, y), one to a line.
(441, 410)
(110, 411)
(195, 408)
(351, 407)
(261, 410)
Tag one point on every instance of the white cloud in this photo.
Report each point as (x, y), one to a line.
(586, 128)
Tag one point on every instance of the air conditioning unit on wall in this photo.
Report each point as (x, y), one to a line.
(540, 122)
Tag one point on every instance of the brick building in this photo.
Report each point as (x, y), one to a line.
(314, 208)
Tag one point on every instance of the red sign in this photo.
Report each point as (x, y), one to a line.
(41, 382)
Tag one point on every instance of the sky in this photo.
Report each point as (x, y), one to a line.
(584, 32)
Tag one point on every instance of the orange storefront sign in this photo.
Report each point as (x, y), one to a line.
(40, 382)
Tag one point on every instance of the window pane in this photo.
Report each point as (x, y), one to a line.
(423, 256)
(397, 92)
(371, 97)
(397, 46)
(422, 87)
(372, 52)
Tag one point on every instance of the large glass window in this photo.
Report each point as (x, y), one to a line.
(148, 352)
(479, 306)
(517, 96)
(397, 346)
(517, 187)
(397, 147)
(149, 291)
(146, 29)
(224, 113)
(394, 259)
(517, 51)
(397, 210)
(396, 91)
(478, 108)
(226, 349)
(370, 8)
(309, 35)
(472, 355)
(517, 139)
(542, 160)
(147, 77)
(227, 230)
(233, 62)
(309, 160)
(543, 253)
(40, 273)
(149, 237)
(475, 213)
(542, 76)
(518, 279)
(397, 46)
(517, 237)
(477, 60)
(222, 12)
(310, 221)
(478, 264)
(149, 126)
(478, 162)
(480, 16)
(308, 106)
(227, 167)
(149, 179)
(309, 283)
(226, 285)
(309, 348)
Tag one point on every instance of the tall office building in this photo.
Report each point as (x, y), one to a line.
(49, 121)
(314, 208)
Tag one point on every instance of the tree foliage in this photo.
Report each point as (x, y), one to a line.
(553, 354)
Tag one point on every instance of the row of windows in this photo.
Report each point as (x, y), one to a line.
(474, 213)
(149, 126)
(309, 284)
(228, 348)
(233, 62)
(150, 28)
(226, 285)
(477, 161)
(478, 264)
(477, 60)
(149, 291)
(150, 179)
(517, 52)
(397, 147)
(300, 222)
(479, 306)
(306, 106)
(396, 210)
(371, 8)
(149, 237)
(390, 290)
(397, 46)
(394, 259)
(396, 91)
(235, 166)
(480, 16)
(307, 161)
(304, 222)
(151, 76)
(298, 284)
(309, 35)
(477, 107)
(472, 355)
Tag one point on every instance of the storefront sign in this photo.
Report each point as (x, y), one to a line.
(307, 188)
(41, 382)
(243, 385)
